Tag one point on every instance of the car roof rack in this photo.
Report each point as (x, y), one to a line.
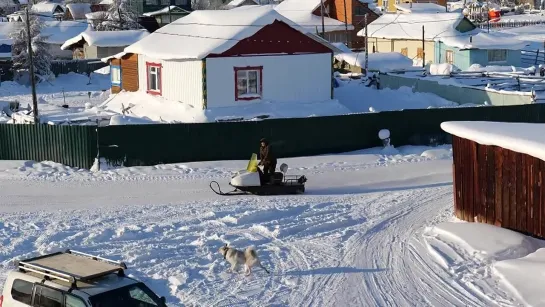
(71, 266)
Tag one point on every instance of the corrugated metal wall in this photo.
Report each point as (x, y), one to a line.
(70, 145)
(152, 144)
(161, 143)
(498, 186)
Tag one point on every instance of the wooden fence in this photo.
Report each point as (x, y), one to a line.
(498, 186)
(532, 57)
(509, 23)
(77, 66)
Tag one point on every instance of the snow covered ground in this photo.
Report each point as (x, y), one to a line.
(351, 97)
(370, 231)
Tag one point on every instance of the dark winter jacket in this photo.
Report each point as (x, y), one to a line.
(266, 155)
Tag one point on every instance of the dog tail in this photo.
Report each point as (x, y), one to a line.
(252, 251)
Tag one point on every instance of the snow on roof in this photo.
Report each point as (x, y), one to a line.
(107, 38)
(58, 32)
(106, 2)
(300, 12)
(45, 8)
(78, 10)
(203, 32)
(484, 40)
(237, 3)
(96, 15)
(165, 11)
(6, 28)
(115, 56)
(409, 26)
(421, 8)
(383, 62)
(298, 5)
(534, 35)
(519, 137)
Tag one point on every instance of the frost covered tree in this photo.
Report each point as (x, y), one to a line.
(121, 16)
(41, 57)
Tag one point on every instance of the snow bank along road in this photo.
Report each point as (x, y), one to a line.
(354, 239)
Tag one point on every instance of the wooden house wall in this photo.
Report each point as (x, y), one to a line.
(115, 89)
(129, 72)
(498, 186)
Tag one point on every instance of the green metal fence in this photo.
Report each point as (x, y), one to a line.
(153, 144)
(70, 145)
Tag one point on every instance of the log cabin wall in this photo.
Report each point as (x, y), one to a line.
(498, 186)
(129, 72)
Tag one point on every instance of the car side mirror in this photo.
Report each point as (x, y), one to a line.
(164, 301)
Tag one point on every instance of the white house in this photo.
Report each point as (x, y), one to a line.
(235, 57)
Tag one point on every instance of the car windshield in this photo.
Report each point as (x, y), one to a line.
(137, 295)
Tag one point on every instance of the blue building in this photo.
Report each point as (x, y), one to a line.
(481, 48)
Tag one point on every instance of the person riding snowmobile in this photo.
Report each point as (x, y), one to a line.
(268, 159)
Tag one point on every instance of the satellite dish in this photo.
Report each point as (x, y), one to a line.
(284, 168)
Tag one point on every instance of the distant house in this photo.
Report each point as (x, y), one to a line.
(100, 44)
(307, 14)
(147, 6)
(230, 63)
(77, 11)
(485, 49)
(48, 10)
(403, 33)
(238, 3)
(167, 15)
(411, 7)
(6, 28)
(57, 32)
(390, 6)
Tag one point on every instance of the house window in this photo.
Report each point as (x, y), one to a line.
(154, 78)
(248, 83)
(181, 2)
(496, 56)
(152, 2)
(165, 2)
(449, 57)
(385, 5)
(115, 74)
(405, 51)
(419, 53)
(360, 11)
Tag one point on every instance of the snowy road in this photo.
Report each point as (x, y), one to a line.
(355, 239)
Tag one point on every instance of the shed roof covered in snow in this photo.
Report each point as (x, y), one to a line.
(301, 12)
(6, 28)
(165, 10)
(483, 40)
(106, 38)
(409, 26)
(204, 32)
(57, 32)
(384, 61)
(420, 8)
(78, 10)
(519, 137)
(237, 3)
(46, 9)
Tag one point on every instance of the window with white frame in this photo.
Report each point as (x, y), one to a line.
(180, 2)
(497, 55)
(248, 83)
(154, 78)
(115, 74)
(385, 4)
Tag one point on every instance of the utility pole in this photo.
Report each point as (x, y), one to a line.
(423, 48)
(488, 20)
(345, 23)
(322, 11)
(366, 45)
(169, 15)
(32, 77)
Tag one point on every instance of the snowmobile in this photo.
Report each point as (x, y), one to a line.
(253, 181)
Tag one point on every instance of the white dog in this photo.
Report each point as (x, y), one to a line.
(235, 257)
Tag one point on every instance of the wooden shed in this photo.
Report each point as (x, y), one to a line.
(498, 171)
(123, 72)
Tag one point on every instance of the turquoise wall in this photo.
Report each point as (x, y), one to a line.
(465, 58)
